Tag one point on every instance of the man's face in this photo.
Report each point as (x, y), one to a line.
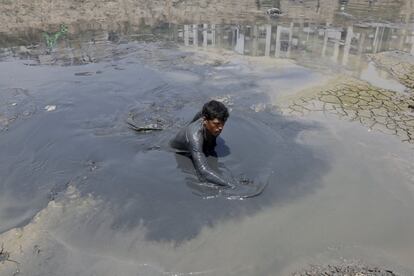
(214, 126)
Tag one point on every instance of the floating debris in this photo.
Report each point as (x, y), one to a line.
(84, 74)
(156, 126)
(149, 118)
(50, 107)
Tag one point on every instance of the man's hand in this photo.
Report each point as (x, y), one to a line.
(245, 181)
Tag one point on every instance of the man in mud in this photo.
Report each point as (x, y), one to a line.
(198, 139)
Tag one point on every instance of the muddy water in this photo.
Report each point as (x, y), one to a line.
(84, 195)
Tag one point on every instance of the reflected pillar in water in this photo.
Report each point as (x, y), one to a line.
(195, 35)
(255, 42)
(360, 52)
(213, 34)
(290, 40)
(408, 11)
(205, 42)
(186, 35)
(402, 38)
(277, 48)
(234, 36)
(280, 30)
(412, 46)
(218, 37)
(268, 39)
(361, 43)
(174, 32)
(349, 36)
(406, 37)
(379, 33)
(325, 43)
(239, 48)
(381, 40)
(337, 37)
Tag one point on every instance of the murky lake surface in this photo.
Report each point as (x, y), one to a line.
(321, 101)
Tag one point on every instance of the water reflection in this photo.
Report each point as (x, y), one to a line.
(302, 41)
(338, 33)
(308, 43)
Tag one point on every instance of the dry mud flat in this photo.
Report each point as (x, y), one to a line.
(399, 64)
(344, 270)
(355, 100)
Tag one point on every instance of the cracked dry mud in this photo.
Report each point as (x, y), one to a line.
(378, 109)
(399, 64)
(344, 270)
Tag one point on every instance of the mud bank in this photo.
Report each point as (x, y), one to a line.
(18, 16)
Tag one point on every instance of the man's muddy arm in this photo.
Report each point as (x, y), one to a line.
(205, 172)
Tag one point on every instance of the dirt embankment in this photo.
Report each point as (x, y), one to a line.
(19, 15)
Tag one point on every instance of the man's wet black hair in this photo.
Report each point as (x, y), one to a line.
(215, 110)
